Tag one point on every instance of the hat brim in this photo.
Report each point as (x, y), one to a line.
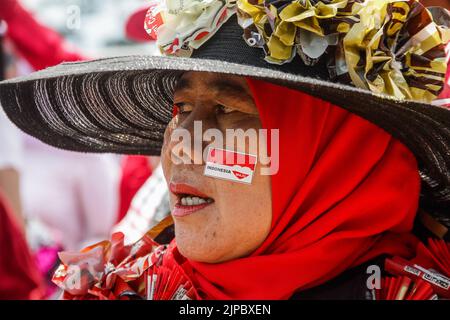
(123, 105)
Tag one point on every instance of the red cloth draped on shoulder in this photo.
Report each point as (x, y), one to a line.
(345, 192)
(19, 276)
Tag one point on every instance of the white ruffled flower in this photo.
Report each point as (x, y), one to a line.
(187, 24)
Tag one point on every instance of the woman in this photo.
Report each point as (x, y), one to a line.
(326, 190)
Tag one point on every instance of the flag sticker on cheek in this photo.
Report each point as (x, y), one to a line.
(230, 165)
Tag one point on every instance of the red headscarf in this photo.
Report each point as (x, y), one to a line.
(346, 192)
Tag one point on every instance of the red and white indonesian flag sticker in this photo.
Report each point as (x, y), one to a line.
(230, 165)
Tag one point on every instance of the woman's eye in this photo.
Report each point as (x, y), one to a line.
(223, 109)
(183, 107)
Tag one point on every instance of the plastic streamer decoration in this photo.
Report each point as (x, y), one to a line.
(391, 47)
(110, 270)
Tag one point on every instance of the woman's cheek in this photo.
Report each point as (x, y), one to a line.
(165, 153)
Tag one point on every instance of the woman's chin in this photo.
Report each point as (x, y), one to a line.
(196, 255)
(199, 252)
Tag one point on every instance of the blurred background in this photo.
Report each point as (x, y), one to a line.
(96, 26)
(53, 200)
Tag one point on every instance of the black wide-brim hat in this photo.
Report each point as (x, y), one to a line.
(123, 105)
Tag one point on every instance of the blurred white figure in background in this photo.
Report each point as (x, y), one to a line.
(149, 206)
(11, 162)
(73, 193)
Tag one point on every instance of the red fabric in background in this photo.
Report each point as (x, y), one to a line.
(135, 171)
(134, 26)
(345, 192)
(39, 45)
(19, 276)
(445, 94)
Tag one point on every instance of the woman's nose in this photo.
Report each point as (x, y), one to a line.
(187, 143)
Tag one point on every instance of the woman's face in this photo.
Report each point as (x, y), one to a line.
(215, 220)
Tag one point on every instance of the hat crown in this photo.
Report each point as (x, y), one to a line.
(229, 45)
(391, 47)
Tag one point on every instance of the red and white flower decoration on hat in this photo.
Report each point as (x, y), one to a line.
(180, 26)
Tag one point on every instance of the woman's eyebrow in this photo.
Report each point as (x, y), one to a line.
(220, 87)
(183, 84)
(229, 88)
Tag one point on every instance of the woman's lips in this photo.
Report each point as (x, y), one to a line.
(185, 189)
(180, 210)
(189, 199)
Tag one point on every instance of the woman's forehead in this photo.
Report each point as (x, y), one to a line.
(213, 83)
(228, 90)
